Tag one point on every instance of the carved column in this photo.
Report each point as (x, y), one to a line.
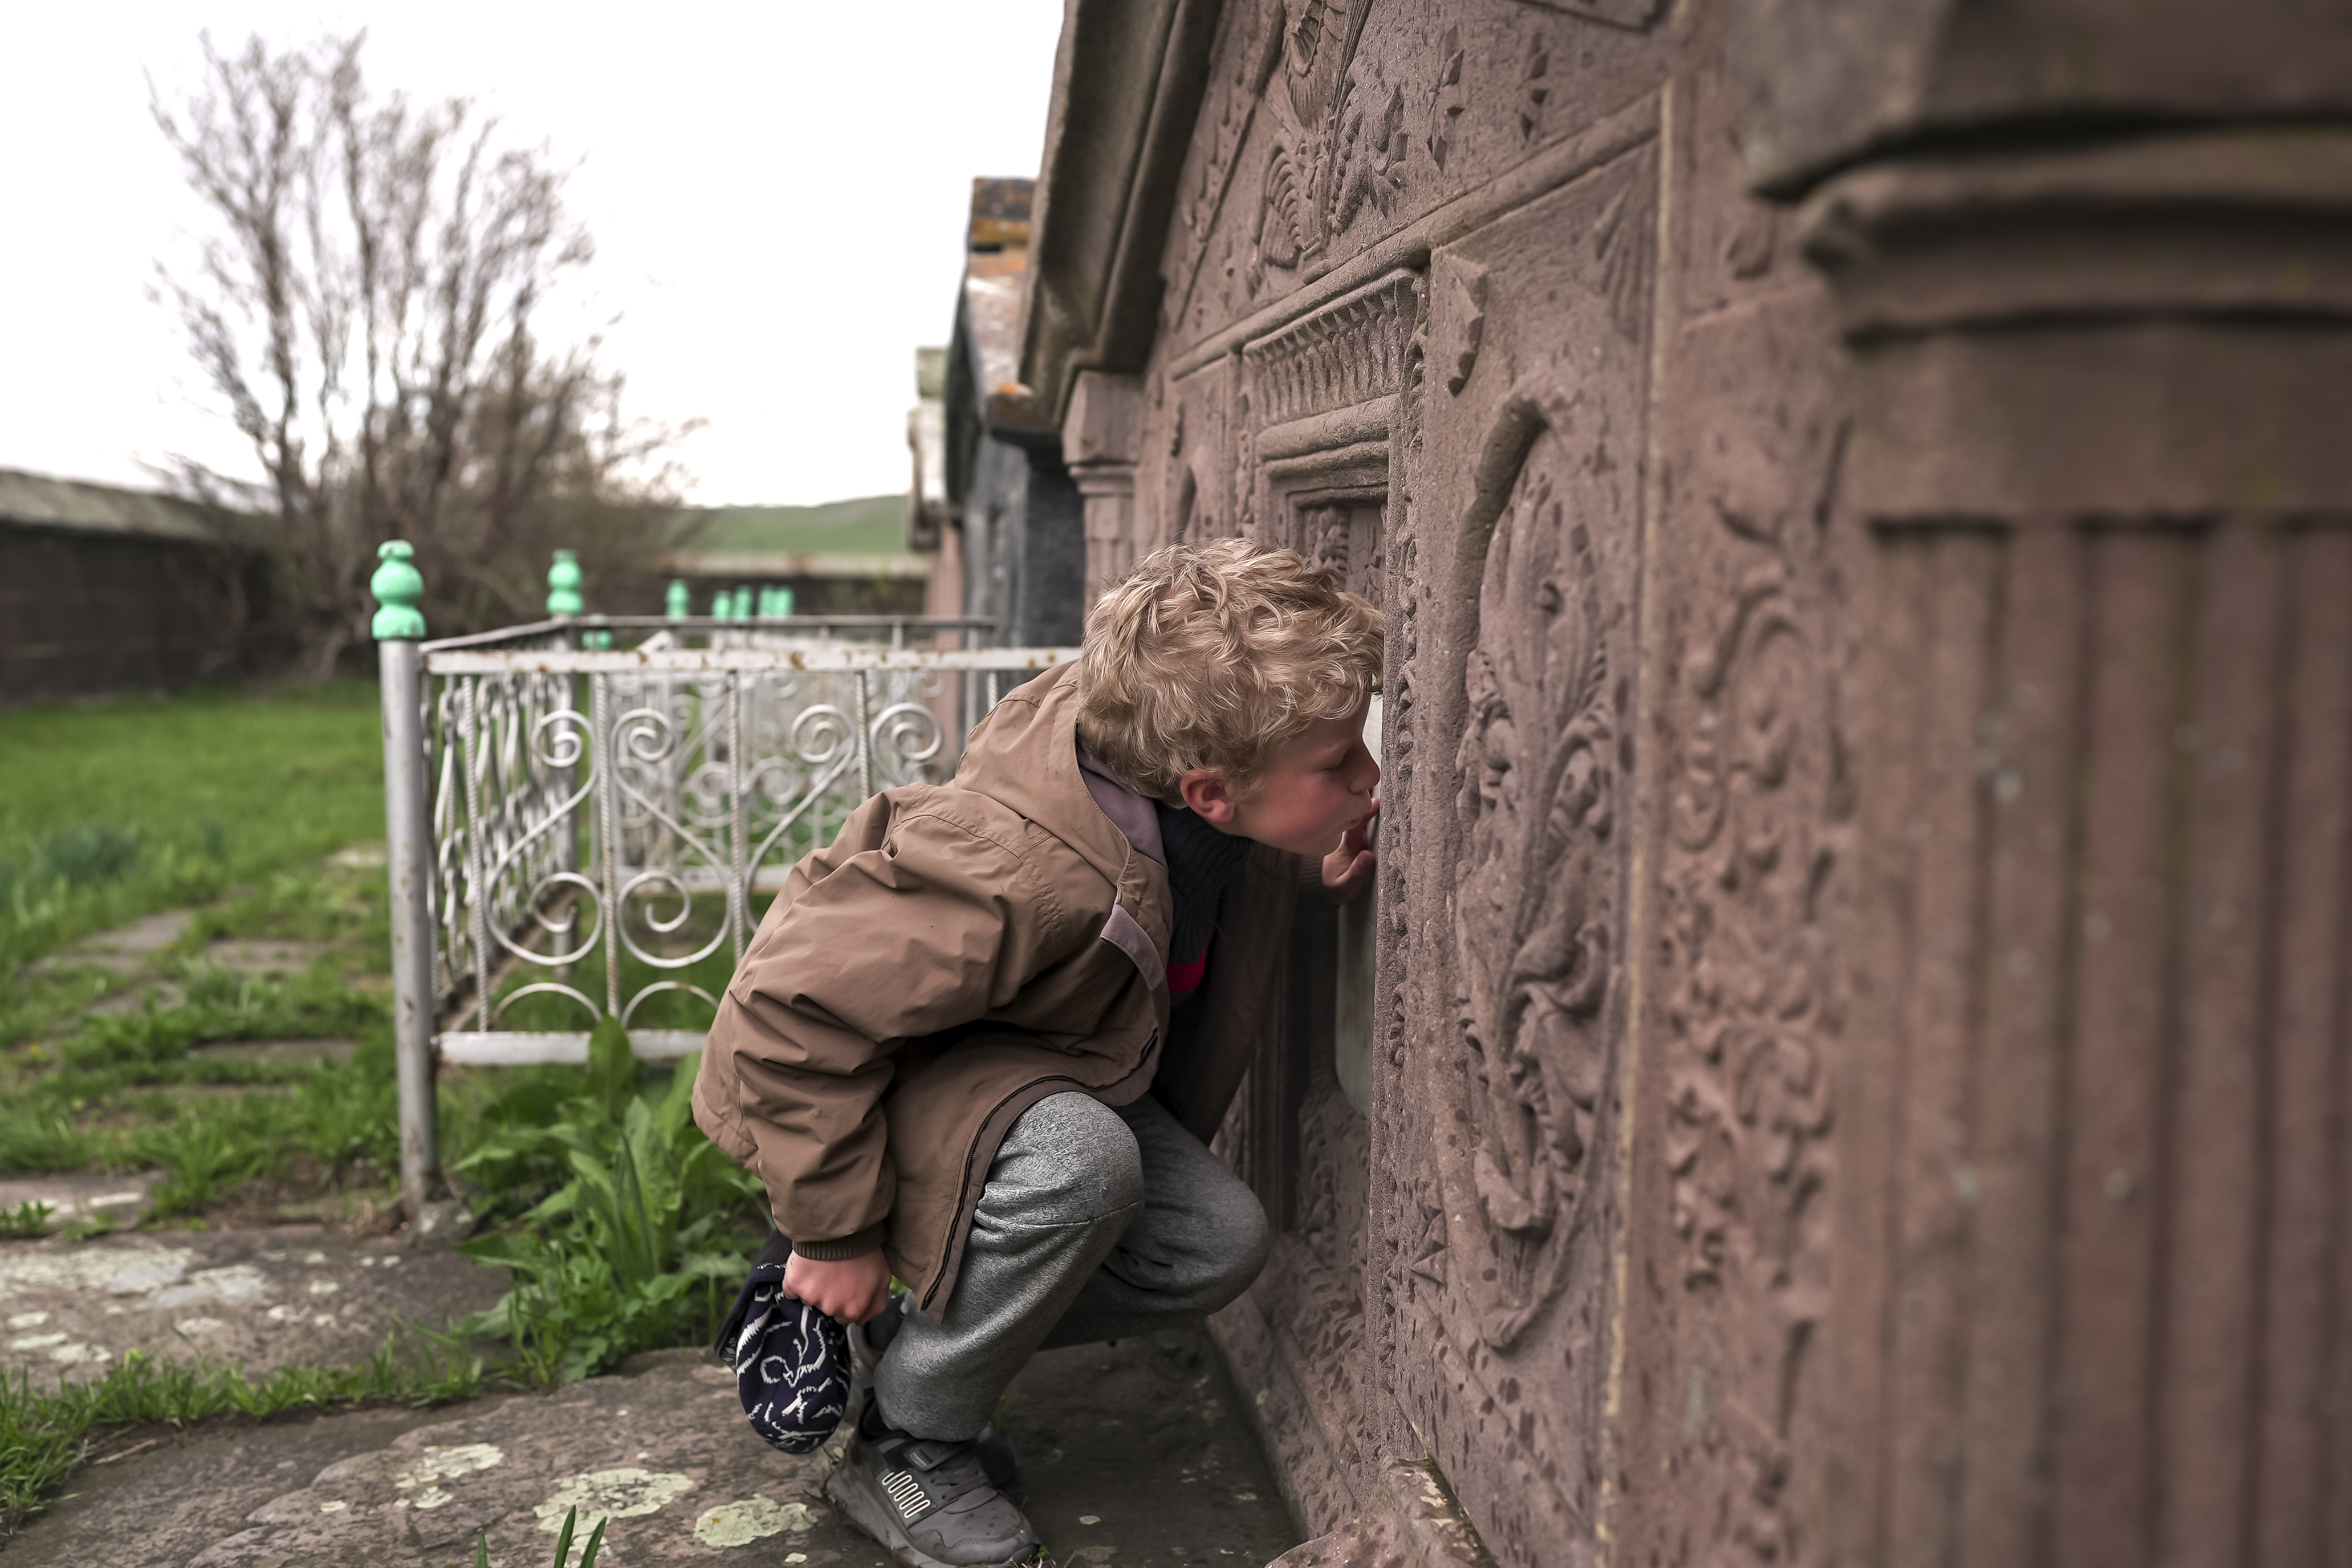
(2089, 1303)
(1101, 436)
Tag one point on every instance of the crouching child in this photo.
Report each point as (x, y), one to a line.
(979, 1042)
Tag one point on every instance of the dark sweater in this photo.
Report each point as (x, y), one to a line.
(1201, 863)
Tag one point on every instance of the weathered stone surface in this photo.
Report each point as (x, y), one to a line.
(252, 1298)
(1132, 1453)
(127, 948)
(668, 1455)
(117, 1200)
(1861, 1054)
(1410, 1524)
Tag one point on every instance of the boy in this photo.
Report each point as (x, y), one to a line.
(982, 1041)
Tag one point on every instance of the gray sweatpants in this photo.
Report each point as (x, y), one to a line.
(1095, 1223)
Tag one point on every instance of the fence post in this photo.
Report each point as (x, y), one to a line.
(398, 626)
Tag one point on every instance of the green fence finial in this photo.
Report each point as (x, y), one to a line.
(563, 584)
(397, 586)
(681, 602)
(783, 600)
(743, 603)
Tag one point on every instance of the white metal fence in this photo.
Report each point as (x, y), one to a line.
(581, 832)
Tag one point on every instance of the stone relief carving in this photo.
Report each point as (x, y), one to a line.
(1286, 226)
(1340, 141)
(1341, 120)
(1458, 355)
(1323, 539)
(1447, 98)
(1626, 244)
(1540, 903)
(1357, 348)
(1501, 1223)
(1535, 89)
(1757, 819)
(1231, 110)
(1368, 152)
(1333, 1155)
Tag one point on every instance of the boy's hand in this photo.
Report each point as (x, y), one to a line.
(853, 1288)
(1348, 870)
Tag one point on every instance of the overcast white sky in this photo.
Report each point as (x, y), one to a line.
(777, 194)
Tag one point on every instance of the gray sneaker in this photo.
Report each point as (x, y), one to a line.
(929, 1502)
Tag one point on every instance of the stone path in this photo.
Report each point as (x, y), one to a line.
(144, 956)
(254, 1299)
(1133, 1454)
(1136, 1453)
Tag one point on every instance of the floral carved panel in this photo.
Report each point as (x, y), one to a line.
(1749, 864)
(1514, 731)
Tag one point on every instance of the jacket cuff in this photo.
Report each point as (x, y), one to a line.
(855, 1245)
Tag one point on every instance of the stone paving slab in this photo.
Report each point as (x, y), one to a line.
(265, 957)
(126, 949)
(254, 1299)
(1133, 1454)
(274, 1050)
(76, 1196)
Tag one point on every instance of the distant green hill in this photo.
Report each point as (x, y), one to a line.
(872, 525)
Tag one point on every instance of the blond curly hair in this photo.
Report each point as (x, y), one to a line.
(1213, 656)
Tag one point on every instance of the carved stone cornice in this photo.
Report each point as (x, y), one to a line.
(2151, 327)
(1823, 85)
(1350, 352)
(2249, 221)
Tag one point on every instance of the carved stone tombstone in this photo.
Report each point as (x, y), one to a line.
(1863, 852)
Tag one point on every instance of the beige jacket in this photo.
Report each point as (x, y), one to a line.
(958, 953)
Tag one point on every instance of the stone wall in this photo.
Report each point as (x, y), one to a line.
(1857, 1066)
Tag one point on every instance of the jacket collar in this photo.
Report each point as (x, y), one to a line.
(1025, 754)
(1132, 814)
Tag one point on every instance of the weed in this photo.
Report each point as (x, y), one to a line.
(204, 1157)
(27, 1220)
(88, 853)
(563, 1543)
(609, 1262)
(36, 1138)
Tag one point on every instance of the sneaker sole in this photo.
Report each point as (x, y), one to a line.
(880, 1520)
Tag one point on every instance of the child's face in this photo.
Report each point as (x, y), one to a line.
(1319, 786)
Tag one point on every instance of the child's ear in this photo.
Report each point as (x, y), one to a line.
(1207, 796)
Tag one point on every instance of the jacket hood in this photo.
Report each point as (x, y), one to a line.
(1024, 753)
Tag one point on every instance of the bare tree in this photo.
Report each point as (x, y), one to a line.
(367, 305)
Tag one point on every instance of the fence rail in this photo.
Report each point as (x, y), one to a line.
(579, 833)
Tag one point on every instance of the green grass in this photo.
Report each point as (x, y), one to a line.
(113, 811)
(45, 1437)
(870, 525)
(229, 803)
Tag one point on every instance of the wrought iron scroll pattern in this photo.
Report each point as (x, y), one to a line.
(638, 812)
(1539, 906)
